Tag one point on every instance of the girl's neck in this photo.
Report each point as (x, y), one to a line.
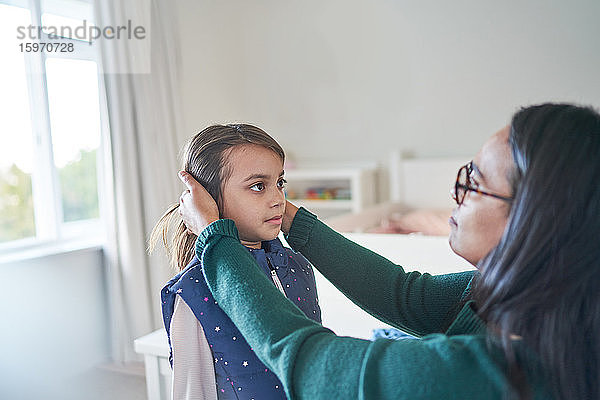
(252, 245)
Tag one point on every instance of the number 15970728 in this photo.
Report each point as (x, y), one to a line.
(47, 47)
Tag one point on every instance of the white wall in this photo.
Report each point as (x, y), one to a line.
(54, 323)
(433, 78)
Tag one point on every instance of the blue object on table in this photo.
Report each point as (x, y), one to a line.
(390, 333)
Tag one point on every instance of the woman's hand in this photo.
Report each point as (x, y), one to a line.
(288, 216)
(196, 206)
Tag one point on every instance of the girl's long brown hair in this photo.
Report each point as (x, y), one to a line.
(205, 158)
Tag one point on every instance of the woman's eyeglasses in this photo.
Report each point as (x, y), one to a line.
(463, 185)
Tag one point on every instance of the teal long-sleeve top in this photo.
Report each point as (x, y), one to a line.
(313, 363)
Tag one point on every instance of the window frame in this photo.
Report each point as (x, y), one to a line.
(50, 229)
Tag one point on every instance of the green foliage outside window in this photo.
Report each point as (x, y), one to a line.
(16, 205)
(79, 190)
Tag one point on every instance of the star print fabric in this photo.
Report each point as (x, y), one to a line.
(238, 371)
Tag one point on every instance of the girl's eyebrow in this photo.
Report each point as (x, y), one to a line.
(261, 176)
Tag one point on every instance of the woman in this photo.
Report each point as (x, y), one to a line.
(523, 326)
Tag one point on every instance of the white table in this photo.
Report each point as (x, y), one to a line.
(155, 348)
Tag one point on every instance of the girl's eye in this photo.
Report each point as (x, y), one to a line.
(258, 187)
(281, 183)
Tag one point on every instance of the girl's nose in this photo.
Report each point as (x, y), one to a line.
(278, 198)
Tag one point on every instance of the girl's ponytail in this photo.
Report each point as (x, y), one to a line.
(180, 250)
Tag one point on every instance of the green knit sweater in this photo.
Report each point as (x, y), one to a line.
(313, 363)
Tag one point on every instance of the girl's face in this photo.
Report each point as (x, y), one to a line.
(253, 195)
(478, 223)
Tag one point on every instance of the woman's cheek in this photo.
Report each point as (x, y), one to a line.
(465, 238)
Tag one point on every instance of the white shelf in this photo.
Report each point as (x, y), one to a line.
(322, 173)
(323, 204)
(357, 182)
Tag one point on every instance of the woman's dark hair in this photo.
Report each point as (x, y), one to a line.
(205, 158)
(542, 281)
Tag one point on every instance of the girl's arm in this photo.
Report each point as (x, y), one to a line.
(415, 302)
(313, 363)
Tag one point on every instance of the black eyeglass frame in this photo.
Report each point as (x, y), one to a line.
(467, 188)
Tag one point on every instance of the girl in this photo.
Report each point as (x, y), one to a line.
(242, 168)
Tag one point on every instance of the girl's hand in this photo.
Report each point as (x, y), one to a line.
(288, 216)
(196, 206)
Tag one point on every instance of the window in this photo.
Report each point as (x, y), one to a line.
(53, 123)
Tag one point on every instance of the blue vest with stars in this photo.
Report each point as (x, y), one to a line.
(238, 371)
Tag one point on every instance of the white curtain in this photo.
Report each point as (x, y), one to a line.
(144, 122)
